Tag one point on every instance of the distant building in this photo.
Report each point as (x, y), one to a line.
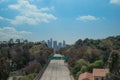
(59, 45)
(98, 74)
(86, 76)
(64, 44)
(51, 43)
(55, 45)
(48, 43)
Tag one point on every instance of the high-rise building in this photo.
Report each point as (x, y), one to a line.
(64, 44)
(55, 45)
(59, 45)
(51, 43)
(48, 43)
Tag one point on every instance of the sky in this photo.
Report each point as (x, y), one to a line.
(67, 20)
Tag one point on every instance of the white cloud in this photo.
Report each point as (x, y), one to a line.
(8, 29)
(10, 32)
(87, 18)
(35, 0)
(2, 35)
(30, 14)
(115, 2)
(24, 32)
(47, 9)
(3, 18)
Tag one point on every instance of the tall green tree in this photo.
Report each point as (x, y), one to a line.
(11, 41)
(18, 41)
(114, 66)
(4, 68)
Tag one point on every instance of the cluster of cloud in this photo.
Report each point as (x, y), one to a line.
(115, 2)
(86, 18)
(10, 32)
(30, 14)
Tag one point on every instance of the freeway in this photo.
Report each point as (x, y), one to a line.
(56, 70)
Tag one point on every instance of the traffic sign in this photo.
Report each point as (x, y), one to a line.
(58, 57)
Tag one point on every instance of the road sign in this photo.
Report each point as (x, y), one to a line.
(57, 57)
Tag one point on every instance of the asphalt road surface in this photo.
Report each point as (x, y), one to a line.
(56, 70)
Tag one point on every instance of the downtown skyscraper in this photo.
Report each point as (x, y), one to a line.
(55, 45)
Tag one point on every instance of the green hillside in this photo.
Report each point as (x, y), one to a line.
(23, 58)
(87, 54)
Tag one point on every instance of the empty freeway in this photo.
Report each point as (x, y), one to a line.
(56, 70)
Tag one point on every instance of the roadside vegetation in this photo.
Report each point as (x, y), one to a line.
(28, 77)
(22, 57)
(87, 54)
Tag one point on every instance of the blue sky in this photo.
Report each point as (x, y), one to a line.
(67, 20)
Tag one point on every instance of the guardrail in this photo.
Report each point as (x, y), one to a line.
(41, 72)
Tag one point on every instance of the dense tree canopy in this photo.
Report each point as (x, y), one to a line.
(4, 68)
(25, 56)
(114, 66)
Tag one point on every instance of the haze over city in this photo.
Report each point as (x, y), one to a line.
(67, 20)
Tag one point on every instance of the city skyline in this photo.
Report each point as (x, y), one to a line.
(54, 44)
(67, 20)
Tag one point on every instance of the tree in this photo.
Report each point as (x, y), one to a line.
(80, 64)
(114, 66)
(18, 41)
(96, 64)
(78, 43)
(4, 68)
(25, 41)
(11, 41)
(113, 60)
(84, 69)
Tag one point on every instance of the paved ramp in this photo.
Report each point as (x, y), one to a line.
(56, 70)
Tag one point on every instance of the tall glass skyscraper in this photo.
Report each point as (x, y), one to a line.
(64, 44)
(56, 46)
